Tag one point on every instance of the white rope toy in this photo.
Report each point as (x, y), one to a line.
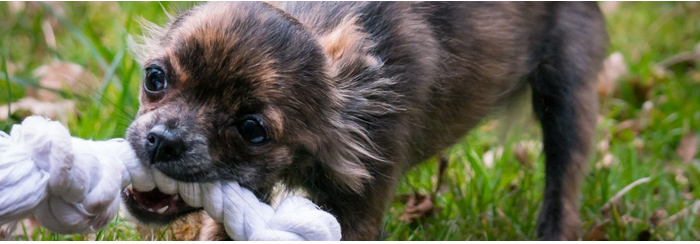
(72, 185)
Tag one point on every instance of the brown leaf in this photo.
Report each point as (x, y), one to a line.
(657, 217)
(630, 124)
(440, 186)
(645, 235)
(614, 67)
(607, 162)
(491, 156)
(645, 117)
(9, 231)
(598, 232)
(688, 147)
(418, 206)
(16, 7)
(522, 155)
(605, 209)
(695, 207)
(59, 110)
(641, 90)
(59, 75)
(609, 7)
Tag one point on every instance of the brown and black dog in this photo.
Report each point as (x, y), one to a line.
(341, 98)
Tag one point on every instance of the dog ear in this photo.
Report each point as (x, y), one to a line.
(348, 49)
(362, 93)
(148, 44)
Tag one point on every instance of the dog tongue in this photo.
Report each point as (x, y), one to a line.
(154, 199)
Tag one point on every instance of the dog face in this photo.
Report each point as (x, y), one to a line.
(219, 91)
(231, 92)
(243, 92)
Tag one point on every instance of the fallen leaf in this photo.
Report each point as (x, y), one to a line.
(609, 7)
(605, 209)
(694, 208)
(604, 145)
(418, 206)
(440, 186)
(598, 232)
(59, 75)
(645, 235)
(59, 110)
(491, 156)
(688, 58)
(614, 67)
(607, 162)
(645, 116)
(16, 7)
(188, 228)
(630, 124)
(688, 147)
(641, 90)
(657, 217)
(10, 231)
(522, 154)
(680, 176)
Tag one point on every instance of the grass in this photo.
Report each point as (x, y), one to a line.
(481, 199)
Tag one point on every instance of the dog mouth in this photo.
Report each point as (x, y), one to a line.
(156, 206)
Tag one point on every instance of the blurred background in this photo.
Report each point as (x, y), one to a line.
(70, 61)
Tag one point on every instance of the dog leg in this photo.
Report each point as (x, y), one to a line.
(565, 101)
(361, 214)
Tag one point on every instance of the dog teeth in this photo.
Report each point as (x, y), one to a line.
(162, 210)
(176, 197)
(165, 184)
(150, 210)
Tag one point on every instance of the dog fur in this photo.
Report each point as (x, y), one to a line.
(353, 94)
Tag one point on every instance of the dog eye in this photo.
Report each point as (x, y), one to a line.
(155, 80)
(253, 131)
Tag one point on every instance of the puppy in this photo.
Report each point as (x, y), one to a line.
(341, 98)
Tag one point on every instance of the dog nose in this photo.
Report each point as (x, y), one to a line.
(163, 145)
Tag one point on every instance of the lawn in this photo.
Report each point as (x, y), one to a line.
(71, 61)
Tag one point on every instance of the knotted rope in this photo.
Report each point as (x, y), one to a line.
(72, 185)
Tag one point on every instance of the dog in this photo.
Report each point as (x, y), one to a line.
(341, 98)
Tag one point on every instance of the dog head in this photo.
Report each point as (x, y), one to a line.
(243, 92)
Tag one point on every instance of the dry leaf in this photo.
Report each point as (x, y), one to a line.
(194, 227)
(645, 117)
(491, 156)
(641, 90)
(604, 144)
(597, 233)
(688, 147)
(59, 75)
(418, 206)
(605, 209)
(522, 155)
(680, 176)
(607, 162)
(614, 67)
(16, 7)
(645, 235)
(59, 110)
(609, 7)
(689, 58)
(695, 207)
(9, 231)
(657, 217)
(630, 124)
(440, 186)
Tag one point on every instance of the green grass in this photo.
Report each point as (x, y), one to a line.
(481, 202)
